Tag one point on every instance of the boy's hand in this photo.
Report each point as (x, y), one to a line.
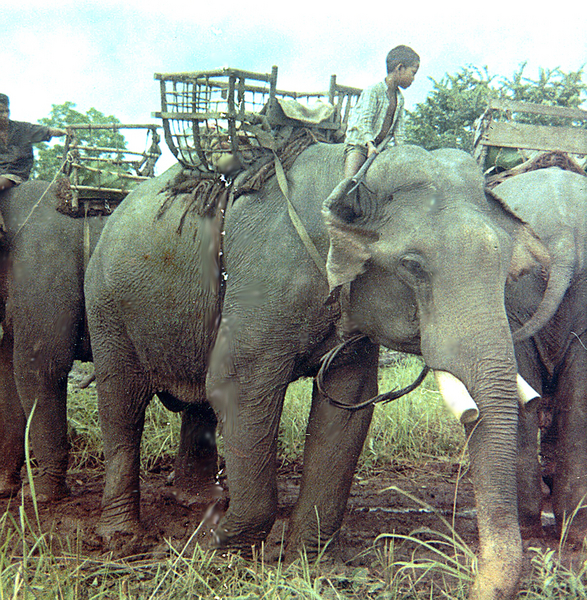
(371, 149)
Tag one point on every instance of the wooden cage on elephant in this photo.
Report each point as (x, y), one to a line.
(513, 137)
(100, 176)
(224, 120)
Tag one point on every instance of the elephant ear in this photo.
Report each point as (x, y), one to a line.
(350, 224)
(528, 252)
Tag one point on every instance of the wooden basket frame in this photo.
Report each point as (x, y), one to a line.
(235, 101)
(499, 129)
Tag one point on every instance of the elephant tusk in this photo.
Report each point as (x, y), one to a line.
(457, 397)
(525, 391)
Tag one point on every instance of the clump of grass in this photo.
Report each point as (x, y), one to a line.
(417, 426)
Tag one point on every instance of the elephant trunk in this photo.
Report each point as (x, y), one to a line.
(478, 350)
(493, 452)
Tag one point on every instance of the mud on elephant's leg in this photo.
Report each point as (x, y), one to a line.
(12, 424)
(249, 405)
(334, 441)
(196, 464)
(569, 491)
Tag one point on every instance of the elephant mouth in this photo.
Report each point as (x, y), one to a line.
(460, 402)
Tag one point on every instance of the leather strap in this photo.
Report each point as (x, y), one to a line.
(295, 219)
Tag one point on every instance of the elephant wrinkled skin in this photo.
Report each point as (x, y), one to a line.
(426, 254)
(550, 321)
(43, 324)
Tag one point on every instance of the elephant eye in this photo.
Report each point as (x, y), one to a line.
(413, 266)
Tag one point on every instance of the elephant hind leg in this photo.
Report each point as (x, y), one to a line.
(124, 392)
(122, 405)
(196, 463)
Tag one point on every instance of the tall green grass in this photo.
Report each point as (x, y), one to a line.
(415, 428)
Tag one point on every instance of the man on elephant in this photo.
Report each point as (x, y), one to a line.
(16, 147)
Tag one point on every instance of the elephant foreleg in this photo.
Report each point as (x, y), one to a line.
(12, 424)
(530, 496)
(334, 441)
(247, 394)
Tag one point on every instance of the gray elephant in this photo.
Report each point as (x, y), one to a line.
(417, 260)
(43, 325)
(549, 319)
(44, 330)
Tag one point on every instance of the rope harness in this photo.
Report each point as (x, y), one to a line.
(327, 361)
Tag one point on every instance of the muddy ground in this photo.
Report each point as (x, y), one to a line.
(440, 488)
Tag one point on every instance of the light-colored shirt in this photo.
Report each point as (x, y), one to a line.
(367, 116)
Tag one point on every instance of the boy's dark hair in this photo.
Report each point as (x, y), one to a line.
(401, 55)
(4, 100)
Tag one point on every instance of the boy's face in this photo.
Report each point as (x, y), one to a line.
(406, 75)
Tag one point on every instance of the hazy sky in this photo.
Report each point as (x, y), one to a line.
(104, 54)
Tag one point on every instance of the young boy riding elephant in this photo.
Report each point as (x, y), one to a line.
(378, 115)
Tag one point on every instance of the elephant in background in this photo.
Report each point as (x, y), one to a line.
(417, 260)
(44, 329)
(549, 319)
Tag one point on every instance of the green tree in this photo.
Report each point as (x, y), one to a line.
(447, 118)
(553, 87)
(50, 157)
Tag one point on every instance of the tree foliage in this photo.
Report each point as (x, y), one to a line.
(447, 118)
(50, 157)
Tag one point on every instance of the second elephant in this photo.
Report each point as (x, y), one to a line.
(549, 318)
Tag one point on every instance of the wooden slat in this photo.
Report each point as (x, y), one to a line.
(190, 75)
(190, 116)
(536, 137)
(538, 109)
(92, 126)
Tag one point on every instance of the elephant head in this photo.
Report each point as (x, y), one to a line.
(427, 255)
